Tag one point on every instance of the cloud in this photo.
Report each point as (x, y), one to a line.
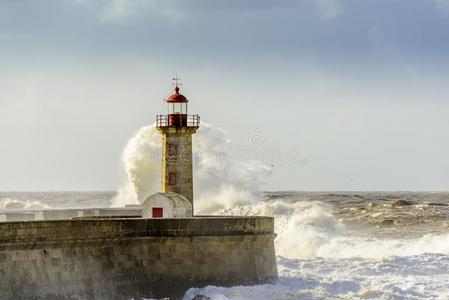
(118, 10)
(328, 9)
(442, 5)
(121, 11)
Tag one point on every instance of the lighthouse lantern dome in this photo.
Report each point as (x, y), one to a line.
(177, 103)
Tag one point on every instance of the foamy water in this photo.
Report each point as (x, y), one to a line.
(328, 245)
(324, 253)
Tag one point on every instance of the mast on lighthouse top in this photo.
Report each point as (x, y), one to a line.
(177, 114)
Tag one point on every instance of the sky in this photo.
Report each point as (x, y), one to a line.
(345, 94)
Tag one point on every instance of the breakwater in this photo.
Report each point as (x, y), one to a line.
(128, 258)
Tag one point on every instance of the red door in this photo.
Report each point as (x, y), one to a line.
(158, 212)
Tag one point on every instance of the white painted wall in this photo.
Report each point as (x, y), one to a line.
(157, 201)
(173, 205)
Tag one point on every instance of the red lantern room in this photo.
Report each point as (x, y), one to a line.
(177, 109)
(177, 115)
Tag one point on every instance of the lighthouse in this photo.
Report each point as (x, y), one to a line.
(177, 128)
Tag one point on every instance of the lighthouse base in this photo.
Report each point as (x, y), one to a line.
(133, 258)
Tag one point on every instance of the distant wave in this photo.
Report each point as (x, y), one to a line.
(16, 204)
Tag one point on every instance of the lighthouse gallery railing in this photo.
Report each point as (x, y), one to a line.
(178, 120)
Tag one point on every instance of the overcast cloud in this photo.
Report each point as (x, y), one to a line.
(358, 89)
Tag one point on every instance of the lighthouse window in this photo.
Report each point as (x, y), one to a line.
(177, 108)
(172, 178)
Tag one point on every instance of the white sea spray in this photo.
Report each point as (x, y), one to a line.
(220, 182)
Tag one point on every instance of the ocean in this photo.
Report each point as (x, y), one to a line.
(329, 245)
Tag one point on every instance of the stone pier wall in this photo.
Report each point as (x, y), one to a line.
(133, 258)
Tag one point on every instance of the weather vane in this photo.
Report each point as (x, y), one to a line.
(176, 81)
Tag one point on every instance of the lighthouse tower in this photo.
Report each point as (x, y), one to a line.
(177, 127)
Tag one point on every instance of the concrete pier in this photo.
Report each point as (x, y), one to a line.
(133, 258)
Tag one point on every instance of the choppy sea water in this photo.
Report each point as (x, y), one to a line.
(354, 245)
